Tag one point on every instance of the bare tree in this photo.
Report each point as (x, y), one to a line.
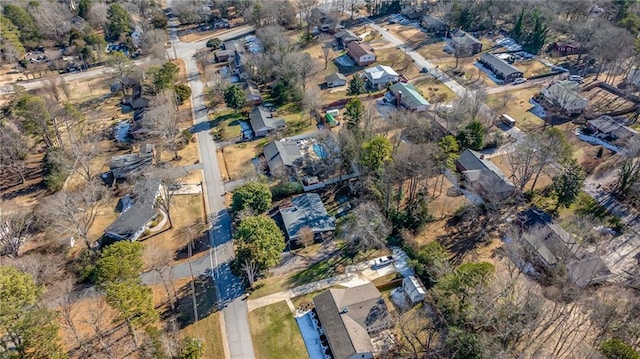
(99, 320)
(159, 261)
(84, 151)
(369, 228)
(312, 101)
(73, 212)
(306, 236)
(161, 119)
(152, 43)
(304, 10)
(250, 269)
(16, 227)
(170, 179)
(523, 161)
(326, 52)
(69, 311)
(13, 150)
(121, 68)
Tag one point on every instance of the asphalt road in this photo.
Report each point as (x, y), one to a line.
(229, 288)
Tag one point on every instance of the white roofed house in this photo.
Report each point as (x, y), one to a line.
(380, 75)
(414, 289)
(564, 95)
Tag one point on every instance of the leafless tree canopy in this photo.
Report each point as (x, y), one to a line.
(369, 228)
(16, 226)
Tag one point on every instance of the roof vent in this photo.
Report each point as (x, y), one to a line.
(344, 310)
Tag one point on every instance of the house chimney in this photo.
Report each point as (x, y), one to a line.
(344, 310)
(482, 157)
(399, 100)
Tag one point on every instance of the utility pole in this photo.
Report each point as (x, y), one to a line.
(193, 284)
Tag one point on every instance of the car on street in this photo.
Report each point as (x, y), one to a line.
(520, 80)
(382, 262)
(576, 78)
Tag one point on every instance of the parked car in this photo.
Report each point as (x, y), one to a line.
(424, 70)
(576, 78)
(382, 262)
(520, 80)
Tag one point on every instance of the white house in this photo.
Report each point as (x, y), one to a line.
(336, 79)
(414, 289)
(380, 75)
(564, 94)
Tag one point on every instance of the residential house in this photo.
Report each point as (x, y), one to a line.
(415, 290)
(564, 95)
(500, 68)
(613, 130)
(434, 25)
(483, 176)
(345, 36)
(336, 79)
(307, 211)
(123, 166)
(411, 12)
(235, 58)
(221, 23)
(564, 48)
(282, 155)
(550, 245)
(311, 159)
(350, 317)
(254, 96)
(139, 208)
(380, 76)
(465, 44)
(325, 21)
(263, 123)
(361, 53)
(407, 96)
(223, 55)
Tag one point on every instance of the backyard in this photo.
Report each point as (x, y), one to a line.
(516, 104)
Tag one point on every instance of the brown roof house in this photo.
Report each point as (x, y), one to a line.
(550, 246)
(350, 317)
(465, 44)
(361, 53)
(483, 176)
(564, 48)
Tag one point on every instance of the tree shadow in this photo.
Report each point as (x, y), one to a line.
(205, 299)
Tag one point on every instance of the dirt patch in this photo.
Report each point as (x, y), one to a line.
(237, 158)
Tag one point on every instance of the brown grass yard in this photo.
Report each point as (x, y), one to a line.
(275, 333)
(186, 210)
(434, 90)
(517, 106)
(208, 330)
(532, 68)
(434, 51)
(185, 116)
(237, 158)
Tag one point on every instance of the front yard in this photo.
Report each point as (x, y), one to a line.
(275, 333)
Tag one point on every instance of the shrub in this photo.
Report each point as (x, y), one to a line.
(286, 189)
(617, 349)
(183, 92)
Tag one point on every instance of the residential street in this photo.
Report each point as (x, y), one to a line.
(229, 288)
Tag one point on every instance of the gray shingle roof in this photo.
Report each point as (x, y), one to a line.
(335, 77)
(281, 153)
(261, 118)
(348, 315)
(498, 65)
(307, 210)
(132, 219)
(612, 127)
(465, 39)
(484, 172)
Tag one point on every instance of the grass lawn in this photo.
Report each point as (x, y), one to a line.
(516, 104)
(225, 125)
(208, 330)
(434, 51)
(237, 159)
(434, 90)
(532, 68)
(275, 333)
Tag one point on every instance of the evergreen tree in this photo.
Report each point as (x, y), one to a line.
(353, 113)
(356, 86)
(119, 20)
(253, 195)
(516, 33)
(568, 184)
(234, 97)
(259, 240)
(375, 153)
(29, 34)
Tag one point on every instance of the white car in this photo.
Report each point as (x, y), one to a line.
(382, 262)
(576, 78)
(520, 80)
